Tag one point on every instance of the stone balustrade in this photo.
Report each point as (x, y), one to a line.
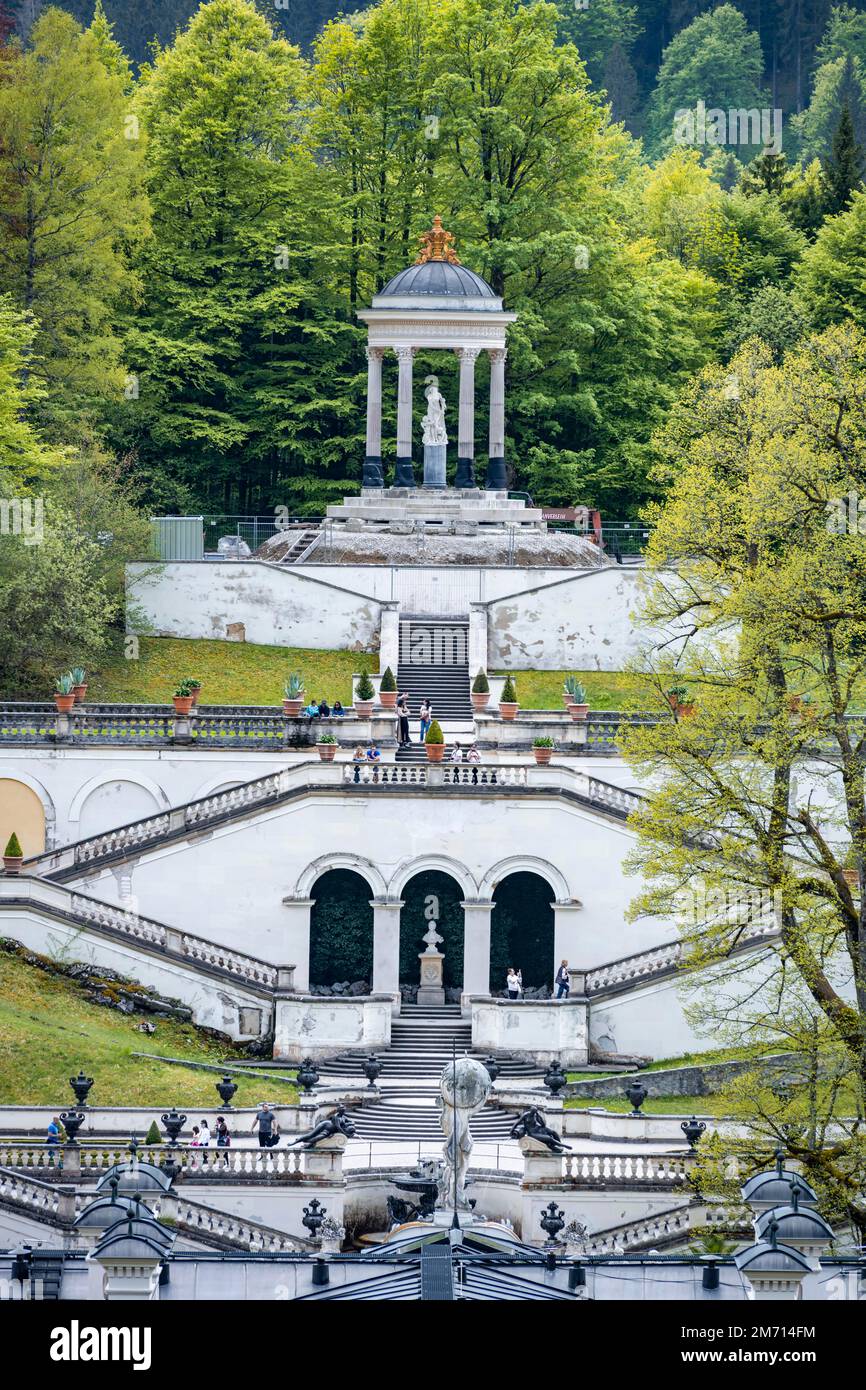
(660, 1229)
(42, 1199)
(83, 1163)
(660, 960)
(625, 1170)
(193, 1218)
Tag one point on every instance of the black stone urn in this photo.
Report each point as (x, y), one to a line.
(307, 1076)
(551, 1221)
(226, 1089)
(313, 1217)
(636, 1095)
(693, 1129)
(372, 1068)
(81, 1085)
(72, 1122)
(173, 1123)
(555, 1078)
(492, 1067)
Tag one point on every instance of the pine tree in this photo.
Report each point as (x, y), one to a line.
(843, 171)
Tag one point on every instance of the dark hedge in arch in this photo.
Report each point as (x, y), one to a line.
(521, 931)
(413, 925)
(341, 928)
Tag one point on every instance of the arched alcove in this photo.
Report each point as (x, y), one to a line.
(522, 931)
(21, 811)
(341, 929)
(418, 893)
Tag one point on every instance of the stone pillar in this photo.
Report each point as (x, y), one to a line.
(386, 948)
(477, 639)
(389, 636)
(298, 939)
(465, 476)
(373, 461)
(565, 933)
(403, 475)
(476, 948)
(496, 479)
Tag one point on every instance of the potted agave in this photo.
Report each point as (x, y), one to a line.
(508, 705)
(364, 696)
(578, 708)
(387, 689)
(568, 690)
(293, 696)
(13, 855)
(182, 698)
(434, 742)
(542, 749)
(79, 683)
(64, 695)
(194, 688)
(480, 692)
(327, 746)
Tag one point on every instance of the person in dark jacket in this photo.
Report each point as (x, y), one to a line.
(563, 983)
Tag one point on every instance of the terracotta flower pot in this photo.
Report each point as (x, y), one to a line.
(388, 699)
(327, 751)
(480, 698)
(508, 710)
(79, 691)
(12, 863)
(195, 694)
(363, 708)
(435, 752)
(578, 712)
(686, 711)
(64, 703)
(182, 703)
(292, 708)
(542, 755)
(566, 698)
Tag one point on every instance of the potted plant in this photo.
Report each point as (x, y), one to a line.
(675, 696)
(364, 696)
(434, 742)
(13, 855)
(64, 697)
(387, 689)
(293, 693)
(79, 683)
(327, 746)
(568, 690)
(182, 698)
(508, 705)
(194, 687)
(578, 708)
(480, 693)
(542, 748)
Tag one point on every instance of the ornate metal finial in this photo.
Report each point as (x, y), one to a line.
(437, 245)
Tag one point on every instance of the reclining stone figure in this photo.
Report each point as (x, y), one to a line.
(530, 1125)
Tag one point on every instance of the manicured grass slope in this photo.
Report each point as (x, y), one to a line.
(604, 689)
(231, 673)
(48, 1031)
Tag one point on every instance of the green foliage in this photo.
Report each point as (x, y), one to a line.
(63, 684)
(434, 734)
(294, 686)
(414, 923)
(772, 314)
(831, 279)
(154, 1134)
(544, 742)
(838, 84)
(480, 685)
(576, 690)
(365, 689)
(79, 675)
(327, 738)
(843, 170)
(387, 682)
(182, 690)
(13, 848)
(521, 931)
(341, 929)
(509, 691)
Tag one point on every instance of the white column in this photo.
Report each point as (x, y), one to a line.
(496, 479)
(386, 947)
(297, 941)
(476, 948)
(404, 476)
(466, 420)
(566, 943)
(373, 460)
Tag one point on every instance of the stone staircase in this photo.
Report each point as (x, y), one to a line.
(434, 664)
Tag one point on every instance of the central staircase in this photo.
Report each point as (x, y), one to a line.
(434, 664)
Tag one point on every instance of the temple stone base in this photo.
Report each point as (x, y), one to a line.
(440, 508)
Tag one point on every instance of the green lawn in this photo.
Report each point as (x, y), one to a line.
(48, 1030)
(231, 673)
(604, 689)
(653, 1105)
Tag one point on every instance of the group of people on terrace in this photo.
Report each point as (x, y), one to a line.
(320, 709)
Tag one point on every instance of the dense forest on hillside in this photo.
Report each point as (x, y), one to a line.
(184, 240)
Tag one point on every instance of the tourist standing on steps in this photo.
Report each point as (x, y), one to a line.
(223, 1137)
(403, 738)
(205, 1134)
(426, 713)
(563, 983)
(457, 754)
(512, 983)
(266, 1121)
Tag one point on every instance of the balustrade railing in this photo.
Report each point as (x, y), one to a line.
(65, 1164)
(631, 1235)
(41, 1198)
(194, 1218)
(658, 1170)
(660, 960)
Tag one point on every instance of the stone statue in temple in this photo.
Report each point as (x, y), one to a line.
(433, 423)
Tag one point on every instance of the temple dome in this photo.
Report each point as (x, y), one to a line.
(439, 278)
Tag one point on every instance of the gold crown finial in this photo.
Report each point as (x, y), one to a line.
(437, 245)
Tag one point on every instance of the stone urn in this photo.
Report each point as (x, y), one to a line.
(327, 751)
(81, 1085)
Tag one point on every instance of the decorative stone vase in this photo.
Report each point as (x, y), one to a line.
(578, 712)
(364, 708)
(508, 710)
(388, 699)
(64, 703)
(292, 708)
(81, 1085)
(480, 698)
(327, 751)
(79, 692)
(542, 755)
(226, 1089)
(12, 863)
(182, 703)
(435, 752)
